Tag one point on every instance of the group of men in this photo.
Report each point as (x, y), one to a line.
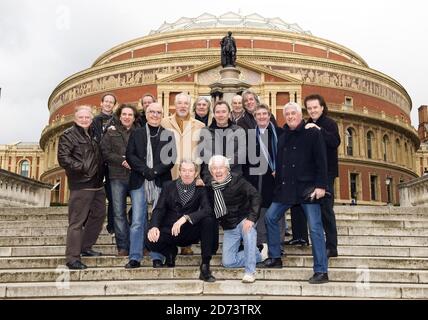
(199, 169)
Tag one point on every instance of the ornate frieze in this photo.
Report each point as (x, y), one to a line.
(115, 81)
(345, 81)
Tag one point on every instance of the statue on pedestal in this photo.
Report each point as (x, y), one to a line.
(228, 51)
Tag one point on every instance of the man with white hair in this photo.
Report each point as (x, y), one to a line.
(186, 131)
(301, 178)
(80, 156)
(236, 205)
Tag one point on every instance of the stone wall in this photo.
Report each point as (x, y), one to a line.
(18, 191)
(414, 192)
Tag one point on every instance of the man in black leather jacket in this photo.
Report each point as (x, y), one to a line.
(79, 155)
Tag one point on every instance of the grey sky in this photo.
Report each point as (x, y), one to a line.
(44, 42)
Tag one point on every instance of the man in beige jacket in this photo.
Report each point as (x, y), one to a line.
(186, 131)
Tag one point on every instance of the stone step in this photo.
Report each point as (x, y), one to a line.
(30, 211)
(400, 224)
(44, 251)
(339, 216)
(369, 240)
(33, 217)
(337, 209)
(368, 251)
(340, 223)
(289, 261)
(46, 240)
(351, 231)
(190, 273)
(154, 288)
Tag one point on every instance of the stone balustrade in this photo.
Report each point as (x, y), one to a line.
(414, 192)
(19, 191)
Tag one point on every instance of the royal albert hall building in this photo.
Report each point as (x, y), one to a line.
(282, 63)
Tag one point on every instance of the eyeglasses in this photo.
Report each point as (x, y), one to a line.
(153, 112)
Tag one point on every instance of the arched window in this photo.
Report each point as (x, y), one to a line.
(385, 147)
(350, 136)
(25, 168)
(397, 151)
(370, 144)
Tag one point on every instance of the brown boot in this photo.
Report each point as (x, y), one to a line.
(122, 253)
(187, 251)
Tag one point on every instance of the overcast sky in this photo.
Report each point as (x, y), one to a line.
(44, 42)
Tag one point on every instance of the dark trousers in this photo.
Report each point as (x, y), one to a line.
(86, 214)
(110, 210)
(206, 231)
(329, 218)
(299, 225)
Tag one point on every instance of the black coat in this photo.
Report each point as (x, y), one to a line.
(169, 208)
(100, 124)
(242, 202)
(80, 156)
(330, 133)
(136, 156)
(253, 175)
(301, 164)
(113, 147)
(211, 144)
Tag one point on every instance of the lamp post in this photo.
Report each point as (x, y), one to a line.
(388, 189)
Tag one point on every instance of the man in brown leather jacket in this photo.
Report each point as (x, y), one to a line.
(79, 155)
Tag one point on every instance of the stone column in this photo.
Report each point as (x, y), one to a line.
(362, 141)
(341, 149)
(274, 106)
(379, 144)
(166, 106)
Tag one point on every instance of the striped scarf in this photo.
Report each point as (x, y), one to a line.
(151, 189)
(220, 209)
(185, 191)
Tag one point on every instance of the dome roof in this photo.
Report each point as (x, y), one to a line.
(229, 20)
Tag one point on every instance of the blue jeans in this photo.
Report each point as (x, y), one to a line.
(248, 258)
(119, 190)
(138, 225)
(313, 215)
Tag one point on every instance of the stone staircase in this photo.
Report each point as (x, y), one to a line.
(383, 254)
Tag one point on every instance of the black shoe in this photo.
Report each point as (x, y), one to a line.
(132, 264)
(170, 258)
(90, 253)
(303, 242)
(318, 278)
(205, 274)
(157, 264)
(110, 229)
(271, 263)
(292, 242)
(331, 253)
(76, 265)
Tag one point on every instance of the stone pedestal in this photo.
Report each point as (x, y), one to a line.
(229, 85)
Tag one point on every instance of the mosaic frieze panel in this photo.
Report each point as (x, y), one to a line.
(344, 81)
(116, 81)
